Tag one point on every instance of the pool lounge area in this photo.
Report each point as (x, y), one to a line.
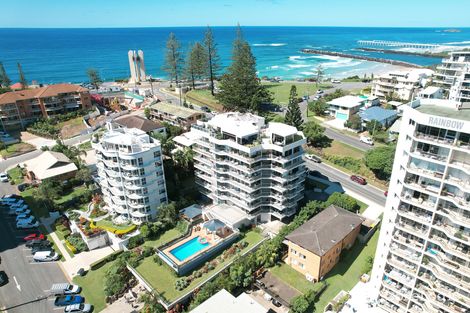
(202, 242)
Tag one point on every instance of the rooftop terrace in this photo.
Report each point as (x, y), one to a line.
(445, 112)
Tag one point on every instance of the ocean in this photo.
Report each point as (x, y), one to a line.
(64, 55)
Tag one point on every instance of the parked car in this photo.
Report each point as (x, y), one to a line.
(3, 278)
(22, 210)
(23, 186)
(34, 237)
(313, 158)
(65, 289)
(24, 217)
(4, 177)
(68, 300)
(41, 248)
(205, 109)
(320, 92)
(366, 140)
(33, 243)
(82, 307)
(12, 196)
(358, 179)
(336, 81)
(27, 224)
(45, 256)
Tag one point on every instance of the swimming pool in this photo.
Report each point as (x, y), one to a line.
(188, 249)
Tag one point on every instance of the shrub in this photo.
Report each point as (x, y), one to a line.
(135, 241)
(344, 201)
(70, 246)
(148, 251)
(77, 241)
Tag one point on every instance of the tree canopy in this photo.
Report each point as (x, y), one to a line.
(174, 62)
(240, 88)
(294, 115)
(4, 79)
(380, 161)
(318, 107)
(93, 77)
(196, 63)
(213, 59)
(343, 201)
(354, 122)
(22, 78)
(315, 134)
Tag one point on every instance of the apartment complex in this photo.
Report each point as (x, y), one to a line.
(19, 108)
(422, 262)
(175, 114)
(314, 248)
(454, 76)
(400, 85)
(244, 162)
(130, 168)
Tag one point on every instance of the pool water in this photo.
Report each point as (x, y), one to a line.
(188, 249)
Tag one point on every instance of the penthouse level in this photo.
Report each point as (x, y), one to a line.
(19, 108)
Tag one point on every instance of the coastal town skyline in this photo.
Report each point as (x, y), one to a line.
(226, 13)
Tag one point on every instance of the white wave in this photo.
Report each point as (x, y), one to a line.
(269, 44)
(274, 67)
(295, 57)
(325, 57)
(341, 63)
(298, 65)
(307, 73)
(457, 43)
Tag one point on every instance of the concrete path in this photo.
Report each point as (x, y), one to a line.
(85, 259)
(359, 300)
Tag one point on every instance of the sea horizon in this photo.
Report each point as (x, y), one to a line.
(51, 55)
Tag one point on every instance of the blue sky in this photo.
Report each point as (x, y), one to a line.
(126, 13)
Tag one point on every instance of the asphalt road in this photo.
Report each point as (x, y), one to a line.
(367, 191)
(28, 281)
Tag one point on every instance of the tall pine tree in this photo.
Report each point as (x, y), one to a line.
(4, 79)
(23, 82)
(173, 58)
(240, 88)
(293, 114)
(213, 59)
(196, 63)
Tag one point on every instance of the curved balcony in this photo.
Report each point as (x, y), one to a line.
(112, 173)
(117, 192)
(136, 196)
(139, 214)
(136, 205)
(118, 201)
(129, 166)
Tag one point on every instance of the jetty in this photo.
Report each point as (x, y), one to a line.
(436, 55)
(398, 44)
(360, 57)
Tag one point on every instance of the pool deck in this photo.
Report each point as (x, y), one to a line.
(196, 231)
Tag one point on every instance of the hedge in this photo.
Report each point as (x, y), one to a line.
(97, 264)
(113, 229)
(70, 246)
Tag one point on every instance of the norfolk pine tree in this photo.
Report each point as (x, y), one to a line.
(94, 77)
(293, 114)
(23, 82)
(173, 58)
(213, 59)
(4, 79)
(196, 63)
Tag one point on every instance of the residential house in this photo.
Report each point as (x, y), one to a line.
(50, 164)
(431, 92)
(344, 107)
(383, 116)
(224, 301)
(139, 122)
(315, 247)
(175, 114)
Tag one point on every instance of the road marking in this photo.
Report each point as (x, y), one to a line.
(56, 308)
(16, 282)
(39, 263)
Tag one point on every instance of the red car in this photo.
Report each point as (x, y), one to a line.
(34, 236)
(358, 179)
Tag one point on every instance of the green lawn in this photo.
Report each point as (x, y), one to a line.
(163, 279)
(362, 205)
(203, 97)
(291, 277)
(93, 286)
(85, 146)
(345, 275)
(342, 149)
(76, 192)
(106, 223)
(16, 175)
(281, 90)
(38, 208)
(17, 149)
(72, 127)
(164, 238)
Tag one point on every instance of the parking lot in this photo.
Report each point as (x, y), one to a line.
(28, 281)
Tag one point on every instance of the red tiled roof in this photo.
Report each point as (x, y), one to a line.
(43, 92)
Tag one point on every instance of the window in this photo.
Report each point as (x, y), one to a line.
(143, 181)
(156, 154)
(302, 256)
(142, 171)
(293, 251)
(146, 200)
(163, 200)
(141, 161)
(301, 265)
(162, 191)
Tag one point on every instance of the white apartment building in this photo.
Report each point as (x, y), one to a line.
(454, 76)
(402, 85)
(257, 167)
(130, 168)
(422, 263)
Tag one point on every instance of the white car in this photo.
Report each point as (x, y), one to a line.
(82, 307)
(27, 224)
(366, 140)
(336, 81)
(22, 210)
(45, 256)
(4, 177)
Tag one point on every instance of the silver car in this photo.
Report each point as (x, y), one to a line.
(82, 307)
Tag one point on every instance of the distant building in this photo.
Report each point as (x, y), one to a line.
(241, 161)
(314, 248)
(402, 85)
(20, 108)
(185, 140)
(175, 114)
(454, 76)
(431, 92)
(139, 122)
(50, 165)
(224, 301)
(342, 108)
(130, 169)
(137, 66)
(383, 116)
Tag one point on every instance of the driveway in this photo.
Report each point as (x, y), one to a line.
(277, 288)
(28, 281)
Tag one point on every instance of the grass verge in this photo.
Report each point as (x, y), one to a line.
(17, 149)
(93, 286)
(203, 97)
(16, 175)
